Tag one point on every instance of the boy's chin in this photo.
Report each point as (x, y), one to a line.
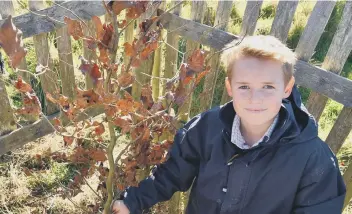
(256, 120)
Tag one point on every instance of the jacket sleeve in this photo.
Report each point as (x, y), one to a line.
(175, 174)
(322, 189)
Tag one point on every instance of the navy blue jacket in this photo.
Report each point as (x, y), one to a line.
(294, 172)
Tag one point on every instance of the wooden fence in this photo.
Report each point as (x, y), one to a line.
(325, 81)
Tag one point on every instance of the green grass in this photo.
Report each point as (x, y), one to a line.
(58, 175)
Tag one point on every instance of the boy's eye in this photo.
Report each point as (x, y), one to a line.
(243, 87)
(268, 87)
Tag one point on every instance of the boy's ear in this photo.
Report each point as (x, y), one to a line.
(228, 86)
(289, 87)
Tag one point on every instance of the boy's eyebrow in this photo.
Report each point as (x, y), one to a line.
(262, 82)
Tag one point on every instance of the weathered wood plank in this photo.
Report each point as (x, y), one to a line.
(196, 32)
(7, 9)
(7, 122)
(314, 29)
(170, 70)
(156, 71)
(170, 53)
(197, 16)
(66, 62)
(66, 68)
(283, 19)
(88, 54)
(324, 82)
(250, 17)
(40, 128)
(221, 22)
(129, 36)
(340, 130)
(335, 59)
(48, 80)
(50, 18)
(146, 66)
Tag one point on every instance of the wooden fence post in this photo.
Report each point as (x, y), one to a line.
(250, 17)
(249, 22)
(88, 54)
(314, 29)
(146, 65)
(7, 123)
(129, 36)
(283, 19)
(66, 62)
(221, 22)
(170, 53)
(48, 80)
(335, 59)
(156, 71)
(169, 71)
(197, 15)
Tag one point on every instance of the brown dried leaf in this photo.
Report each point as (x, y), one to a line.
(146, 96)
(197, 59)
(31, 105)
(98, 27)
(74, 28)
(68, 140)
(201, 75)
(125, 79)
(97, 155)
(137, 9)
(22, 86)
(118, 6)
(122, 24)
(149, 49)
(11, 42)
(131, 50)
(108, 32)
(99, 129)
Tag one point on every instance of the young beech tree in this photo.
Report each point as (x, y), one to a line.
(149, 124)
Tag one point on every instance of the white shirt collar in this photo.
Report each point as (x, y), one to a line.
(237, 138)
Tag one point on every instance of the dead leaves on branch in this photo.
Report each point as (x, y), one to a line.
(31, 103)
(125, 79)
(145, 120)
(134, 8)
(92, 70)
(11, 42)
(191, 73)
(22, 86)
(74, 28)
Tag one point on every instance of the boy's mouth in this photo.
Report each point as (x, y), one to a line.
(254, 110)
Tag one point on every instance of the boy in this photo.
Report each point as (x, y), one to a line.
(258, 154)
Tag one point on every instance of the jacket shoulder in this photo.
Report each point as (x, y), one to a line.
(206, 118)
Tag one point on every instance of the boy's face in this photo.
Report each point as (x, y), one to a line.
(257, 87)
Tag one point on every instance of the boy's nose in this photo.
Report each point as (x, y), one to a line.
(255, 97)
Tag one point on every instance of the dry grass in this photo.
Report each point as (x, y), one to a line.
(19, 192)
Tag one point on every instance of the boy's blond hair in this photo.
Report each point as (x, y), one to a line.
(261, 47)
